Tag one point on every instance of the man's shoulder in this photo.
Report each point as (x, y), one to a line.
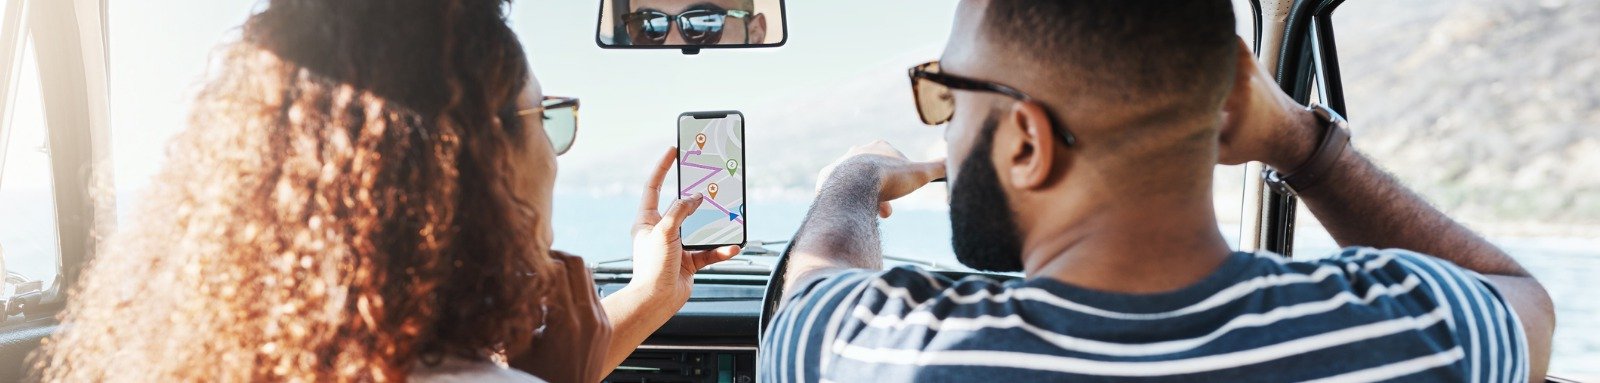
(901, 282)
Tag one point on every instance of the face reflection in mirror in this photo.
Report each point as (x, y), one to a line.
(690, 22)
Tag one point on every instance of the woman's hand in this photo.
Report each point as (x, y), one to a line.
(660, 265)
(572, 345)
(663, 274)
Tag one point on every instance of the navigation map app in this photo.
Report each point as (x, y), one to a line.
(711, 163)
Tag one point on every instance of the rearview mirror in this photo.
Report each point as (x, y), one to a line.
(691, 24)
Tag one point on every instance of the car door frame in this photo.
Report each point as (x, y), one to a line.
(1295, 38)
(72, 55)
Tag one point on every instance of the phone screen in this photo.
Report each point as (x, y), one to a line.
(711, 162)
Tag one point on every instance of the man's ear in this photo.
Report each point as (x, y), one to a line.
(1244, 66)
(758, 29)
(1030, 156)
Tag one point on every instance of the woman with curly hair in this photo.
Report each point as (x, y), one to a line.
(363, 193)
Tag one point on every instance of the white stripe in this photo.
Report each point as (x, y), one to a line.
(1494, 319)
(1224, 296)
(1487, 307)
(835, 320)
(784, 327)
(1398, 369)
(1066, 342)
(1435, 286)
(1144, 368)
(1239, 290)
(1484, 315)
(894, 292)
(1466, 309)
(1521, 343)
(937, 284)
(811, 319)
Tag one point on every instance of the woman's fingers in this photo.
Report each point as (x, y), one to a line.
(703, 258)
(652, 185)
(680, 210)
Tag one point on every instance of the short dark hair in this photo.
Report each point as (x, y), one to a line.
(1124, 50)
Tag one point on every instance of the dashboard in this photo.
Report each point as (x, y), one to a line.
(712, 339)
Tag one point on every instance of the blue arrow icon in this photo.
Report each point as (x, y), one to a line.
(733, 216)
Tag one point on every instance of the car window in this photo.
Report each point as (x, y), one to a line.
(29, 252)
(1488, 109)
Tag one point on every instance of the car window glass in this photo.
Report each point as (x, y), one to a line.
(28, 237)
(1488, 109)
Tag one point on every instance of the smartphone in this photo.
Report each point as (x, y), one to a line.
(711, 162)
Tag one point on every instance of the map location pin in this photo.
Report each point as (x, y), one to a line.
(733, 166)
(712, 190)
(700, 140)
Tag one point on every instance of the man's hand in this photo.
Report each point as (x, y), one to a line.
(840, 232)
(571, 344)
(896, 175)
(1262, 123)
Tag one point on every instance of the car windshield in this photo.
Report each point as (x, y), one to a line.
(831, 89)
(834, 85)
(840, 80)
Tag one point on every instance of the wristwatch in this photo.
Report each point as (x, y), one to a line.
(1334, 139)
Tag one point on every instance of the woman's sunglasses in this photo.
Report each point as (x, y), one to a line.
(697, 26)
(560, 116)
(936, 104)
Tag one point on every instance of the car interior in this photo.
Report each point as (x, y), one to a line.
(714, 338)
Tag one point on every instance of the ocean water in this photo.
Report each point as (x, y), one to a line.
(598, 229)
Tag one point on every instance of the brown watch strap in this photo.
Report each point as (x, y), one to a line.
(1335, 138)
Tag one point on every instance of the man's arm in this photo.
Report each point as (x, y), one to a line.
(1361, 204)
(841, 230)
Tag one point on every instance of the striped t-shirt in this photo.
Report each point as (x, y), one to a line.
(1364, 315)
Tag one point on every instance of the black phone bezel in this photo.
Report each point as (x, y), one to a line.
(744, 187)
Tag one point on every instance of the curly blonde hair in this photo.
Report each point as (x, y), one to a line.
(340, 208)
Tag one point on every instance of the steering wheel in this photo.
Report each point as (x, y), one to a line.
(774, 293)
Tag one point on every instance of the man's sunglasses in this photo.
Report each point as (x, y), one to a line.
(697, 26)
(936, 104)
(560, 116)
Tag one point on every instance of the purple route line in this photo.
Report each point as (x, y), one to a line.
(685, 161)
(724, 210)
(685, 191)
(706, 167)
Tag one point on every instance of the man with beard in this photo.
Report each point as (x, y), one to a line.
(1082, 135)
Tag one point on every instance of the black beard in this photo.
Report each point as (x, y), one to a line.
(985, 234)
